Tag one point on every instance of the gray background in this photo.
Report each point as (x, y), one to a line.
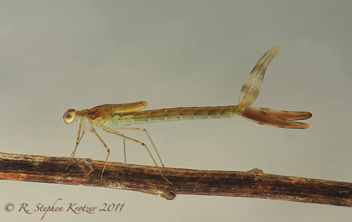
(56, 55)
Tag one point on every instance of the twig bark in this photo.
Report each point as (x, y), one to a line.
(147, 179)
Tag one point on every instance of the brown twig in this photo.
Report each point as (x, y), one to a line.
(147, 179)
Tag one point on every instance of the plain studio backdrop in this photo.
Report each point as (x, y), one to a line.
(56, 55)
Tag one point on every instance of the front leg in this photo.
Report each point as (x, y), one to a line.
(79, 137)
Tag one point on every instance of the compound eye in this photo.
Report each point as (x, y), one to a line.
(69, 116)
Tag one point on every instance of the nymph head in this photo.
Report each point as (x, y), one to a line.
(69, 116)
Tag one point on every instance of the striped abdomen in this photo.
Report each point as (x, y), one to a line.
(173, 114)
